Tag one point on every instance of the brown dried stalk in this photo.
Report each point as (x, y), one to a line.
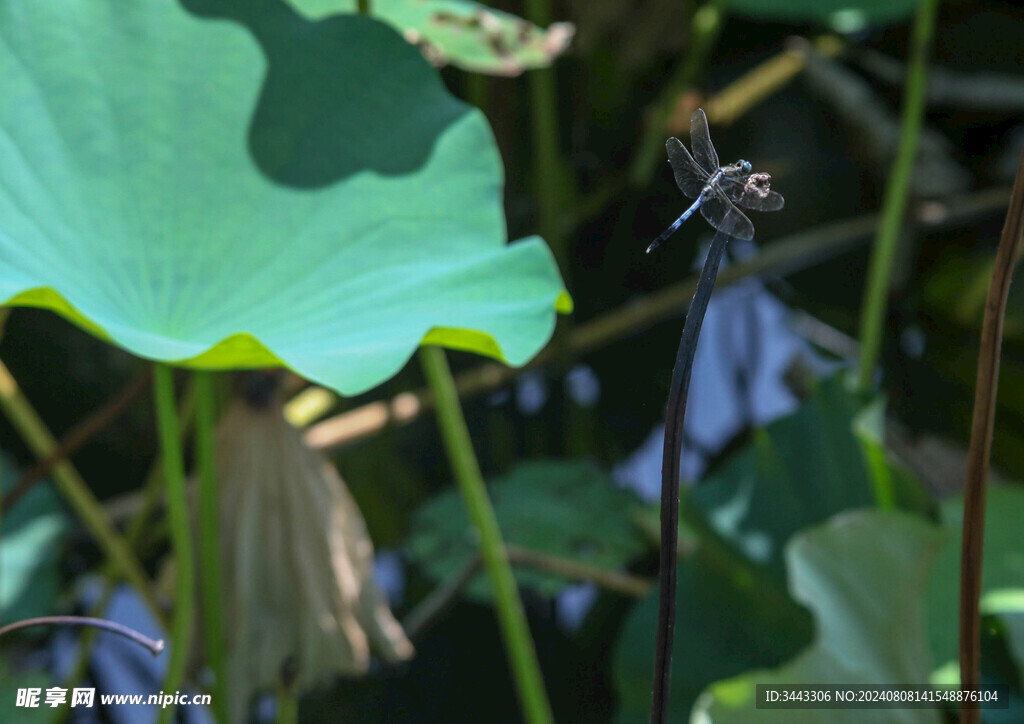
(981, 445)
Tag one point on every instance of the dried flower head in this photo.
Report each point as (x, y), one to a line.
(298, 563)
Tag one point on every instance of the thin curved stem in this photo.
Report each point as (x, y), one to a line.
(876, 292)
(209, 540)
(982, 425)
(154, 646)
(674, 418)
(511, 616)
(181, 537)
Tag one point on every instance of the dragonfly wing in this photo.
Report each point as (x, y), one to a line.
(700, 142)
(772, 202)
(690, 178)
(722, 214)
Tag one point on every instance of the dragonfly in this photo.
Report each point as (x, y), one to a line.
(719, 191)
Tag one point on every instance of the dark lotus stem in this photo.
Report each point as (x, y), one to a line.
(674, 416)
(155, 647)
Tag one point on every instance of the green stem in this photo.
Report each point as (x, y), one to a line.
(555, 192)
(209, 541)
(363, 7)
(34, 432)
(704, 27)
(181, 538)
(478, 90)
(873, 310)
(287, 704)
(511, 617)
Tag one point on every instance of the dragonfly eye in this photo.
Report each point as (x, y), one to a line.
(745, 166)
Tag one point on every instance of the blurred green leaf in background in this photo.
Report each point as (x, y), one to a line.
(1002, 584)
(800, 470)
(30, 550)
(566, 508)
(863, 575)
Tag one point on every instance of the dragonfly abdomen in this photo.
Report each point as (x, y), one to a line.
(701, 198)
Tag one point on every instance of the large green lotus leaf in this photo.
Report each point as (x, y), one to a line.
(863, 574)
(1002, 582)
(841, 15)
(568, 508)
(130, 203)
(467, 34)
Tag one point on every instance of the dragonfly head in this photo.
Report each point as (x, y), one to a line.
(745, 167)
